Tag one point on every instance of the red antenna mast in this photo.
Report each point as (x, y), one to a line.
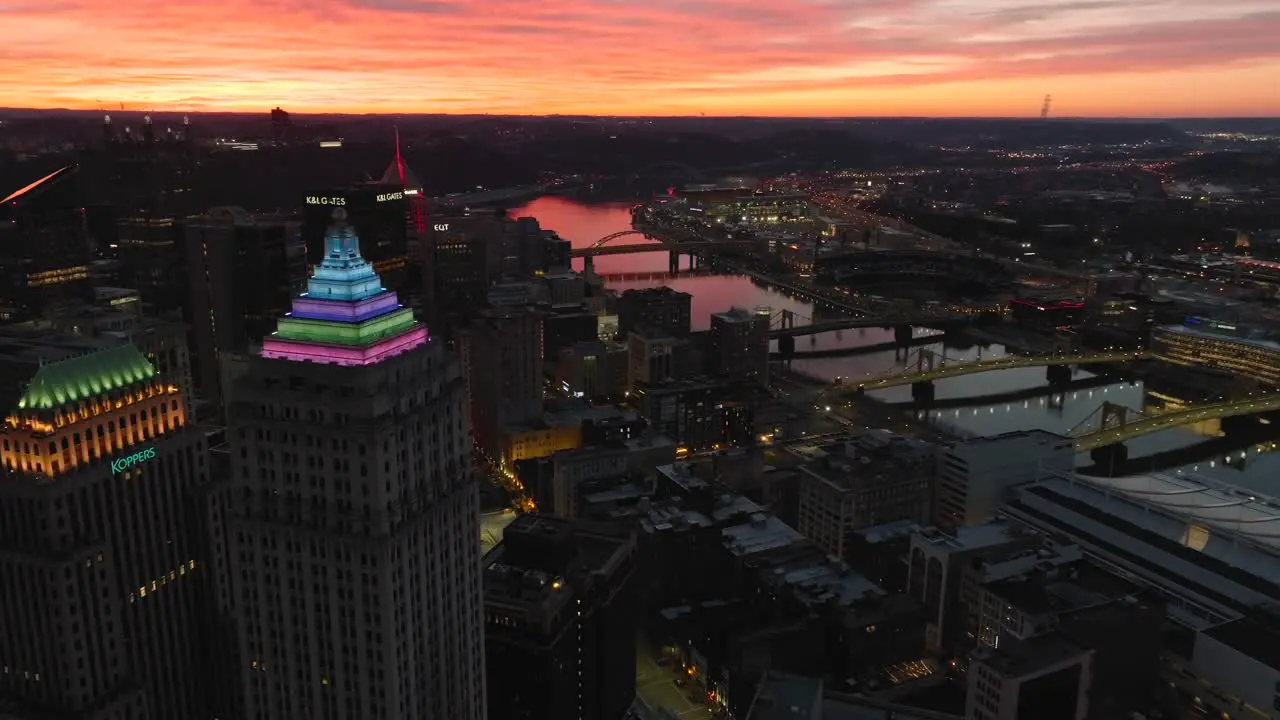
(399, 158)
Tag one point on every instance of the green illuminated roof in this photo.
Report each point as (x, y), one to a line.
(84, 376)
(341, 333)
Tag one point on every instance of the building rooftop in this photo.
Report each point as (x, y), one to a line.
(528, 572)
(1222, 336)
(739, 314)
(1194, 497)
(665, 517)
(762, 532)
(1064, 588)
(681, 475)
(1257, 637)
(888, 531)
(782, 696)
(822, 581)
(970, 537)
(1160, 543)
(869, 461)
(71, 368)
(787, 697)
(1019, 659)
(983, 443)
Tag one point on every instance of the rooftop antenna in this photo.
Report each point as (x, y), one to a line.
(1044, 109)
(399, 159)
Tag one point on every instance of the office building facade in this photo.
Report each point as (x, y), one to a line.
(506, 374)
(100, 573)
(353, 561)
(560, 621)
(45, 246)
(740, 344)
(242, 271)
(458, 255)
(657, 312)
(975, 476)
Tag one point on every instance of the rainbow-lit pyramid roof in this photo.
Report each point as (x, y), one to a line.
(345, 317)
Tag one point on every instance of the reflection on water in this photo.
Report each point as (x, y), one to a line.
(583, 224)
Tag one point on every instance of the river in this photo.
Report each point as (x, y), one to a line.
(582, 224)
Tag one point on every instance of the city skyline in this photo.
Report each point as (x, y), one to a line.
(1152, 58)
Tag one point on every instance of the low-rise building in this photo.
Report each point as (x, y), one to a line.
(1046, 678)
(975, 475)
(847, 486)
(936, 570)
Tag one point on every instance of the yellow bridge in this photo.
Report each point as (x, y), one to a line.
(928, 367)
(1117, 428)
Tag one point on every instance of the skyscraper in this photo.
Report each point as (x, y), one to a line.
(352, 541)
(506, 374)
(561, 620)
(242, 271)
(99, 568)
(45, 246)
(740, 343)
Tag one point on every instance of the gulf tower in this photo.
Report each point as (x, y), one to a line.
(352, 557)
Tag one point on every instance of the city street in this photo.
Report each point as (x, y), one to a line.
(656, 687)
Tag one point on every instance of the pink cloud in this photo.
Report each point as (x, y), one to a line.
(623, 56)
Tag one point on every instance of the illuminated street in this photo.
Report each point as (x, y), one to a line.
(491, 527)
(656, 687)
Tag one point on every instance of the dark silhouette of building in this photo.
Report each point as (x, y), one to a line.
(505, 350)
(564, 326)
(657, 311)
(101, 575)
(243, 271)
(281, 126)
(560, 621)
(456, 255)
(45, 246)
(148, 177)
(702, 413)
(739, 344)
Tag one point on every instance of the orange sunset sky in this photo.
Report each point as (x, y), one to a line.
(647, 57)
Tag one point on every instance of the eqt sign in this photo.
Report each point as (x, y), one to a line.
(119, 465)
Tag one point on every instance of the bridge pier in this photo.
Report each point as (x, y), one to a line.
(674, 261)
(1238, 424)
(1108, 456)
(902, 334)
(588, 265)
(922, 392)
(1058, 374)
(787, 345)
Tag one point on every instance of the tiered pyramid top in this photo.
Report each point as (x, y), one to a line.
(346, 316)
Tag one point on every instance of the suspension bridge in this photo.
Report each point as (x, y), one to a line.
(1112, 424)
(925, 366)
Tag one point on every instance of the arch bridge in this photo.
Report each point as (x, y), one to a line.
(614, 236)
(685, 248)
